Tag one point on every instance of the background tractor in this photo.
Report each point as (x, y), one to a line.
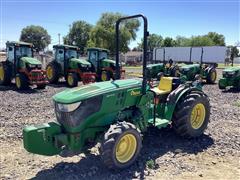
(206, 71)
(21, 65)
(102, 65)
(83, 115)
(67, 64)
(231, 78)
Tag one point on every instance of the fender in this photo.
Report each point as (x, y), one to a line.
(175, 96)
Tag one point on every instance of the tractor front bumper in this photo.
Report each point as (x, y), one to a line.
(38, 76)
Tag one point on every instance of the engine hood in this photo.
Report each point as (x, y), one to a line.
(109, 61)
(189, 66)
(30, 60)
(81, 61)
(231, 69)
(84, 92)
(152, 66)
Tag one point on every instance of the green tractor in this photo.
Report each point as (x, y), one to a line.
(206, 71)
(168, 69)
(231, 78)
(117, 113)
(21, 65)
(67, 64)
(102, 65)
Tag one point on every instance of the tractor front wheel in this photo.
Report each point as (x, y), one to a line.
(5, 74)
(191, 115)
(212, 76)
(72, 79)
(21, 81)
(121, 145)
(105, 76)
(52, 72)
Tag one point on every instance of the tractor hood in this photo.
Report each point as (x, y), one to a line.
(30, 60)
(85, 92)
(81, 61)
(109, 61)
(231, 69)
(189, 66)
(152, 66)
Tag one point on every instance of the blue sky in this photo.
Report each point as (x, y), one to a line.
(167, 18)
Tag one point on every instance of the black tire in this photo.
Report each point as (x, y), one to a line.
(41, 86)
(54, 76)
(5, 77)
(21, 81)
(182, 115)
(110, 142)
(105, 76)
(212, 76)
(72, 79)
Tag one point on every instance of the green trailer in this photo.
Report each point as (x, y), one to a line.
(230, 78)
(22, 66)
(117, 113)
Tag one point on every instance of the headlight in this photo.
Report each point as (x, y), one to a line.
(231, 73)
(68, 107)
(32, 65)
(39, 66)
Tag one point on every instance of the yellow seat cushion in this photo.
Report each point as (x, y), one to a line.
(164, 87)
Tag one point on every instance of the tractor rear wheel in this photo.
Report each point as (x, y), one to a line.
(191, 115)
(21, 81)
(105, 76)
(212, 76)
(72, 79)
(52, 72)
(5, 74)
(121, 145)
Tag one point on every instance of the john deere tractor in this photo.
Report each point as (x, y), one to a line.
(231, 78)
(206, 71)
(168, 69)
(117, 113)
(21, 65)
(102, 65)
(67, 64)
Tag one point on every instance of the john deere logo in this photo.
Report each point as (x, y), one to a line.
(135, 93)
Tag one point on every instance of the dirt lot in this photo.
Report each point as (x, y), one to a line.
(214, 155)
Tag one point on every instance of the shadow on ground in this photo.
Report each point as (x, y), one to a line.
(155, 144)
(12, 87)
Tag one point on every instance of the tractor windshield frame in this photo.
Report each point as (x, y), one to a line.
(145, 35)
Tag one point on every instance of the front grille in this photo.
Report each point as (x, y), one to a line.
(76, 117)
(226, 75)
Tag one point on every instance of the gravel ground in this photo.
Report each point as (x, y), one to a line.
(214, 155)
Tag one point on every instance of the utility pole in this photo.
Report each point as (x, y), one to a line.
(59, 38)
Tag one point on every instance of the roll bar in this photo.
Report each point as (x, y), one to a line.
(145, 35)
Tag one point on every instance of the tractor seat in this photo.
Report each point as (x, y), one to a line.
(164, 87)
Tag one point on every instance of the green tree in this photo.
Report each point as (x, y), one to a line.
(234, 52)
(169, 42)
(103, 34)
(154, 40)
(201, 41)
(78, 34)
(182, 41)
(218, 39)
(36, 35)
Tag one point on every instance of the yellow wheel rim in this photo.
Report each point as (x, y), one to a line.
(70, 80)
(126, 148)
(1, 73)
(18, 82)
(198, 116)
(49, 72)
(104, 76)
(213, 76)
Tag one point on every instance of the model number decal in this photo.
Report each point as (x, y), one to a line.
(135, 93)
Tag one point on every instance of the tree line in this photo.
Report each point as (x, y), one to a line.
(84, 35)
